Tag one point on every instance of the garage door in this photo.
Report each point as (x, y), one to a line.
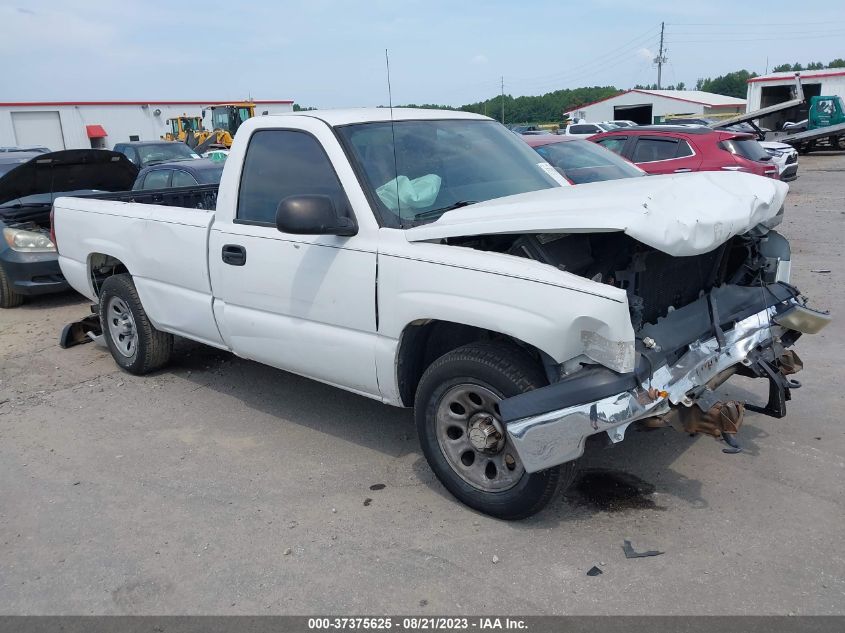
(38, 128)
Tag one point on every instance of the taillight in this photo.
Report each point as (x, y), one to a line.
(53, 227)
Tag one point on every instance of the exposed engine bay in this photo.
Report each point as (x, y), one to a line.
(656, 283)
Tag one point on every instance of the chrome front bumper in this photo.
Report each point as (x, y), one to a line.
(553, 438)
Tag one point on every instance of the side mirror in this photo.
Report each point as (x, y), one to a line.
(312, 215)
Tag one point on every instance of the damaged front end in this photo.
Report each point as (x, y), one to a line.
(698, 320)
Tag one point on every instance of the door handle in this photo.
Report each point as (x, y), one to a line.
(234, 254)
(682, 170)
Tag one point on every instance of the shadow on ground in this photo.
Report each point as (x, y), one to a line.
(619, 478)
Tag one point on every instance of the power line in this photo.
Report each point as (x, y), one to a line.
(581, 74)
(598, 60)
(816, 36)
(756, 24)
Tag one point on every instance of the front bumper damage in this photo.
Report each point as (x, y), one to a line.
(681, 360)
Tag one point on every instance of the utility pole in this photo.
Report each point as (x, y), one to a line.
(503, 99)
(660, 59)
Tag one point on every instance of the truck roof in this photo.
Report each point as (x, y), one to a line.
(373, 115)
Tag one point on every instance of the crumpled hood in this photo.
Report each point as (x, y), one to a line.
(69, 170)
(684, 214)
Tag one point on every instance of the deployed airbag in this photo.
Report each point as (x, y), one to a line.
(403, 193)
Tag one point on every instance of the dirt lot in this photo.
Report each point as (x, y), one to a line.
(223, 486)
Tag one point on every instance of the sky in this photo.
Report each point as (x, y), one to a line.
(331, 53)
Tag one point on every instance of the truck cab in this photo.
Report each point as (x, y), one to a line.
(825, 111)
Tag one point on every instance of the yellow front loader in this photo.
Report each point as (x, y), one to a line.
(226, 118)
(186, 128)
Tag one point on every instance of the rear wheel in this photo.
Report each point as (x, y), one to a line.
(464, 439)
(8, 297)
(134, 343)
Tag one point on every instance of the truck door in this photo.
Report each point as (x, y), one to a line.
(303, 303)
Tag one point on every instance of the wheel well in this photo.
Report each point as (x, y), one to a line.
(423, 342)
(102, 266)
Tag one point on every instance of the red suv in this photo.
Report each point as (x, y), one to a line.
(673, 149)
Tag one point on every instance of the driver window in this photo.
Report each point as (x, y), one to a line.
(279, 164)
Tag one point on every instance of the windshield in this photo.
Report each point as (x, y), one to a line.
(5, 168)
(164, 152)
(440, 165)
(584, 161)
(229, 118)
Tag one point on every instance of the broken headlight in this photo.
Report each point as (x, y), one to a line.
(802, 319)
(28, 241)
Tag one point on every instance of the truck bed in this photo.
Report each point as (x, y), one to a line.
(197, 197)
(811, 135)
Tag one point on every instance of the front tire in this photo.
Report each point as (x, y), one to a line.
(464, 440)
(134, 343)
(8, 297)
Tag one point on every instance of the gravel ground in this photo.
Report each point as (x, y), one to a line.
(225, 487)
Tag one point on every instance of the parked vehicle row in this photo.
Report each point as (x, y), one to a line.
(519, 316)
(30, 181)
(28, 185)
(665, 149)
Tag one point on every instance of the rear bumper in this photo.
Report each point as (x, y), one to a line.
(33, 273)
(544, 439)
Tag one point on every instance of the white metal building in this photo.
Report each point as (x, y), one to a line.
(651, 106)
(84, 124)
(776, 88)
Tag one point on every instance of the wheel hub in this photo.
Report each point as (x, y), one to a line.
(121, 326)
(485, 434)
(473, 439)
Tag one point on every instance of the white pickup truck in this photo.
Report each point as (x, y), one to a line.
(434, 261)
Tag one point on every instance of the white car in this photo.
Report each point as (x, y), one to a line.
(588, 129)
(431, 259)
(784, 156)
(622, 123)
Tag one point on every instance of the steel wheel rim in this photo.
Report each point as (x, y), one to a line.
(121, 324)
(467, 409)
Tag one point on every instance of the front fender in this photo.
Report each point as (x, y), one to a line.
(555, 312)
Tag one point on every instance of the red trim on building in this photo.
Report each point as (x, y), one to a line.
(95, 131)
(754, 80)
(137, 103)
(585, 105)
(654, 94)
(711, 105)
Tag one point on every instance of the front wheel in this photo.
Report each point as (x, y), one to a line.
(134, 343)
(8, 297)
(464, 440)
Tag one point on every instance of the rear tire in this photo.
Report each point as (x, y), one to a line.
(134, 343)
(8, 297)
(456, 399)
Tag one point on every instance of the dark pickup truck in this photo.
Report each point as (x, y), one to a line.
(29, 182)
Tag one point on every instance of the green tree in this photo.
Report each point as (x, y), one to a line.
(681, 86)
(837, 63)
(796, 66)
(783, 68)
(815, 66)
(546, 108)
(732, 84)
